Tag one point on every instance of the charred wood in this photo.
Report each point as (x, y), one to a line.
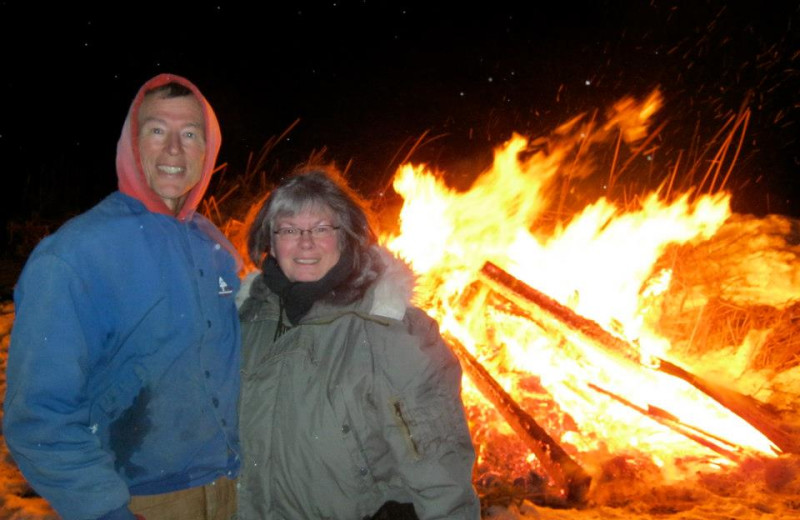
(572, 481)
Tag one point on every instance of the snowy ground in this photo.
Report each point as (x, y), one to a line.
(756, 490)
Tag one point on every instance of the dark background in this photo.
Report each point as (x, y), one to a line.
(367, 78)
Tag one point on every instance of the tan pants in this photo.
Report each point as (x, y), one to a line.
(215, 501)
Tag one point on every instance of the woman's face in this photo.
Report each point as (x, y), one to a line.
(302, 256)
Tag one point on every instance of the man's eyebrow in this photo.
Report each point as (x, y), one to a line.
(162, 120)
(151, 119)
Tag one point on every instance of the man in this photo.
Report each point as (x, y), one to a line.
(123, 368)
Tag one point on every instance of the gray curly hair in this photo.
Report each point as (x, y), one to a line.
(322, 187)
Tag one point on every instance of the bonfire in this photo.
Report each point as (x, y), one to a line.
(621, 351)
(631, 358)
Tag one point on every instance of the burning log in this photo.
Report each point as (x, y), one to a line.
(557, 314)
(573, 482)
(749, 409)
(704, 438)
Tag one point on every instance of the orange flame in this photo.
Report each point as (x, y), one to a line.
(599, 263)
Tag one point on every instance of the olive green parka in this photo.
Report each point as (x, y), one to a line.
(354, 406)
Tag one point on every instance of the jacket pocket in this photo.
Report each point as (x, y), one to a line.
(406, 426)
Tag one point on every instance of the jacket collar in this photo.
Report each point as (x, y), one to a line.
(388, 297)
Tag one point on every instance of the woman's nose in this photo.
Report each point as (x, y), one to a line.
(306, 240)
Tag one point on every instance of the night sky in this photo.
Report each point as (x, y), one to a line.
(367, 78)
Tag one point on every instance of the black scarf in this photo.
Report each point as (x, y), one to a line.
(298, 297)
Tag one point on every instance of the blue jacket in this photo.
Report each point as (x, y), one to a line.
(123, 368)
(124, 359)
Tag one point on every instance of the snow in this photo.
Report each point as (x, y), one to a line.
(757, 489)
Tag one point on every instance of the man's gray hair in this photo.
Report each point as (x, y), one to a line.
(322, 188)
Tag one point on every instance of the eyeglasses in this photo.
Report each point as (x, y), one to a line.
(317, 232)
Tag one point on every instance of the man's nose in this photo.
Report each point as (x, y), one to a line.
(174, 146)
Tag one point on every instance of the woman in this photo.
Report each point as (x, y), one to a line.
(351, 402)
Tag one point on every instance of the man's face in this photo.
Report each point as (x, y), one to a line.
(172, 146)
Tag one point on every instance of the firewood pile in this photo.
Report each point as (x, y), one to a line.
(714, 304)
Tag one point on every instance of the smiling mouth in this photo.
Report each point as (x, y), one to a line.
(170, 170)
(306, 261)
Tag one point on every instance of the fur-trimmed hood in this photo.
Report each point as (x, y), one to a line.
(394, 289)
(389, 296)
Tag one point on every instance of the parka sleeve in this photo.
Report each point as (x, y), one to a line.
(424, 422)
(46, 410)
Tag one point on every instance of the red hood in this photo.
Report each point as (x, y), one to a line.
(129, 167)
